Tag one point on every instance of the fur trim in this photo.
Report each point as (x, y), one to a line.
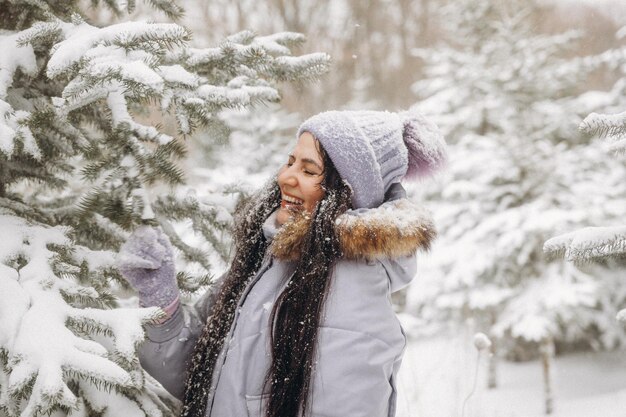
(394, 229)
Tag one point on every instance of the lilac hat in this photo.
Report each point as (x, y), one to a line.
(374, 149)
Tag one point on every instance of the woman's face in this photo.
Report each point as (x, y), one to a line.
(300, 179)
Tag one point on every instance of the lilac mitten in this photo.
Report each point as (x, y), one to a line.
(146, 261)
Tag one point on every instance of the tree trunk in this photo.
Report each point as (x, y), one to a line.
(492, 374)
(492, 364)
(424, 23)
(547, 353)
(2, 185)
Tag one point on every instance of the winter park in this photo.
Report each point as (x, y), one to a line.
(382, 208)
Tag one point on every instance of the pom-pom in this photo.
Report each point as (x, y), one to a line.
(425, 144)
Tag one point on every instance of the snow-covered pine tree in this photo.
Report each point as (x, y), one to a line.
(76, 163)
(605, 244)
(504, 97)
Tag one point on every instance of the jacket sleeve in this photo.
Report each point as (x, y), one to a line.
(168, 346)
(360, 346)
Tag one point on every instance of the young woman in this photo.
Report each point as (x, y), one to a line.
(301, 324)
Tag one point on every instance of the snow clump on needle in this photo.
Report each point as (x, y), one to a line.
(481, 341)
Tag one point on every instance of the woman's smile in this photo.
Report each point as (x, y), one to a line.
(287, 199)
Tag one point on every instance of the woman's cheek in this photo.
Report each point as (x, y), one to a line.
(314, 201)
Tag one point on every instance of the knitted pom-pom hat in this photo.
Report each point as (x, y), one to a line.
(374, 149)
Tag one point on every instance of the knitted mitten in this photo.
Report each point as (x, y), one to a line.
(146, 261)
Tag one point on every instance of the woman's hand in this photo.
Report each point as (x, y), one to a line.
(146, 261)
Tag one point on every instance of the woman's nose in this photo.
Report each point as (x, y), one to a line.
(288, 176)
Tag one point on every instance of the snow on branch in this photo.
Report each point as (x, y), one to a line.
(279, 43)
(134, 61)
(48, 347)
(612, 126)
(239, 96)
(176, 74)
(291, 68)
(134, 35)
(275, 44)
(588, 244)
(14, 123)
(13, 128)
(14, 57)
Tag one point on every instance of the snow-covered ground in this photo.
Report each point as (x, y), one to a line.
(438, 373)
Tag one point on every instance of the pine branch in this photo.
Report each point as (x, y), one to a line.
(303, 68)
(82, 297)
(192, 283)
(41, 33)
(589, 244)
(189, 253)
(16, 16)
(170, 8)
(611, 126)
(90, 202)
(23, 389)
(153, 42)
(13, 205)
(21, 168)
(288, 39)
(91, 230)
(112, 5)
(205, 220)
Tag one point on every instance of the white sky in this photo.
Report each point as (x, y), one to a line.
(615, 9)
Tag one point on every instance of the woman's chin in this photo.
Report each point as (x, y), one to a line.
(286, 213)
(283, 216)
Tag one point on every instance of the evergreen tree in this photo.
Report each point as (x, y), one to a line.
(77, 160)
(601, 244)
(504, 97)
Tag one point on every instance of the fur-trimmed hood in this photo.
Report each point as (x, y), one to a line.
(393, 230)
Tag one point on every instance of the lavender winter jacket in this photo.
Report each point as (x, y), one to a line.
(360, 341)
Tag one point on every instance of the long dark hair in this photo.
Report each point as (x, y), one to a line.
(297, 313)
